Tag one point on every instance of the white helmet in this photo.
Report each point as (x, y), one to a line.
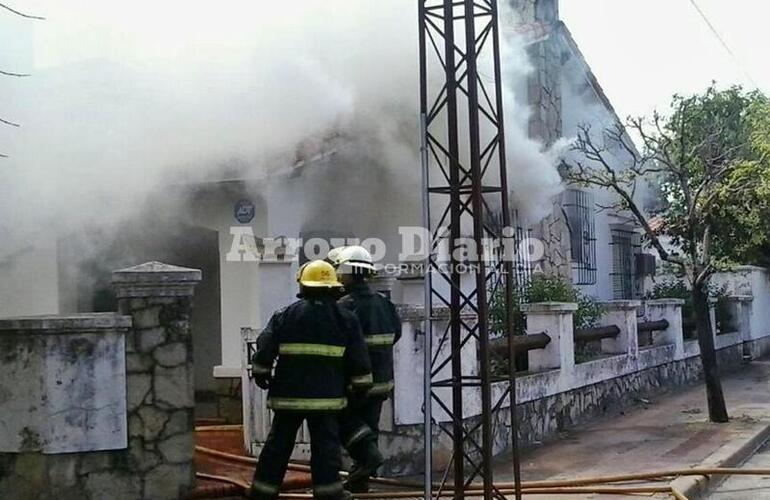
(356, 257)
(333, 257)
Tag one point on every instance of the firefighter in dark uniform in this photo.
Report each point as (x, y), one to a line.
(360, 423)
(320, 360)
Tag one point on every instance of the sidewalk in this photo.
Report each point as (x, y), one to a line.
(747, 487)
(670, 432)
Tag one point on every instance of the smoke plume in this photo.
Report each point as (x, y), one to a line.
(125, 101)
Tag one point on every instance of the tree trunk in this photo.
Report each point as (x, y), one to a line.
(714, 395)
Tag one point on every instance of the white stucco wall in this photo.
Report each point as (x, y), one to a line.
(581, 105)
(239, 293)
(753, 281)
(63, 383)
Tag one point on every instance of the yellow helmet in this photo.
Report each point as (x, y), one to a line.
(318, 274)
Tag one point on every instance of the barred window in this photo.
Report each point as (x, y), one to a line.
(580, 217)
(522, 266)
(625, 245)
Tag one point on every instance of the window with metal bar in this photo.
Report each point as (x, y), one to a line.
(580, 216)
(625, 245)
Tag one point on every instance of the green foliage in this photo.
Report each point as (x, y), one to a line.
(678, 289)
(742, 206)
(545, 289)
(673, 289)
(718, 180)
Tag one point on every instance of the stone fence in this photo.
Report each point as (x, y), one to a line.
(99, 406)
(558, 392)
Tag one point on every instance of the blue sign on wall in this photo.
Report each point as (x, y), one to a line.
(244, 211)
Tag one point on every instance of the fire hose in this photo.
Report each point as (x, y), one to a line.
(552, 487)
(632, 490)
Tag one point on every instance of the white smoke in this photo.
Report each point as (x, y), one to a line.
(533, 174)
(127, 98)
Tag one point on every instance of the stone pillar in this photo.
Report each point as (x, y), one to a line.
(159, 376)
(713, 317)
(741, 307)
(670, 310)
(623, 314)
(555, 320)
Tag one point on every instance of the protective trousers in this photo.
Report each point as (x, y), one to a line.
(360, 425)
(359, 422)
(325, 458)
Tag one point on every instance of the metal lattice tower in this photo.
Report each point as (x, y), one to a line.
(465, 195)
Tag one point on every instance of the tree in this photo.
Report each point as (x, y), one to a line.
(702, 161)
(742, 208)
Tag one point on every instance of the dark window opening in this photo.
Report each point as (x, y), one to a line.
(626, 244)
(580, 217)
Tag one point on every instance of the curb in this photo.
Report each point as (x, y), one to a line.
(730, 455)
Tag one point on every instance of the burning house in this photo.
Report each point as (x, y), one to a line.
(356, 177)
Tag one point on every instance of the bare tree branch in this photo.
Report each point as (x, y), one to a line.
(12, 124)
(22, 14)
(10, 73)
(605, 175)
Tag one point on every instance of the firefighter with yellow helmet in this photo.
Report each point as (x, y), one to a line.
(360, 422)
(311, 358)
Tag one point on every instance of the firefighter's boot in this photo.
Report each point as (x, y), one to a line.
(368, 459)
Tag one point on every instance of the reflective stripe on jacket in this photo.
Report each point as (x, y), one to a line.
(318, 350)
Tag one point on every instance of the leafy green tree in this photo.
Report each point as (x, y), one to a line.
(705, 158)
(741, 210)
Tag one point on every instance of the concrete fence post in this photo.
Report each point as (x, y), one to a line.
(412, 290)
(671, 311)
(555, 320)
(621, 313)
(741, 309)
(159, 376)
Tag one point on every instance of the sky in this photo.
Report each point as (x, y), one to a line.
(642, 52)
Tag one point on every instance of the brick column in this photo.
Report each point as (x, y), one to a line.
(555, 320)
(623, 314)
(159, 375)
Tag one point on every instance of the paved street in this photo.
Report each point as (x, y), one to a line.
(670, 432)
(747, 487)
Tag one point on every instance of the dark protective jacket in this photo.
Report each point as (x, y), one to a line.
(319, 354)
(382, 328)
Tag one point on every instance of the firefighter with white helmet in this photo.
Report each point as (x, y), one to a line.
(311, 358)
(334, 255)
(360, 422)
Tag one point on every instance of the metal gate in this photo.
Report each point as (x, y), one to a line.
(256, 415)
